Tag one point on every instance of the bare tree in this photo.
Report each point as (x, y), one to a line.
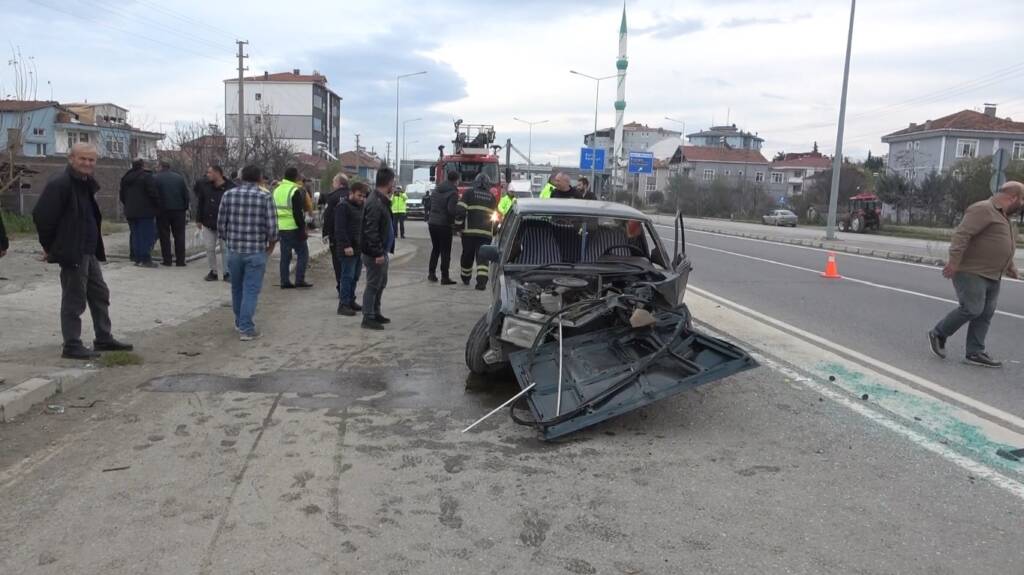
(196, 146)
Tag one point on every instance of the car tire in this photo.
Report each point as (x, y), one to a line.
(476, 346)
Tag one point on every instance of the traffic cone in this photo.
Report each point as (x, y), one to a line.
(831, 270)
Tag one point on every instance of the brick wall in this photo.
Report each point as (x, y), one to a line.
(108, 174)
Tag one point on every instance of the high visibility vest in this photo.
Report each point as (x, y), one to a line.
(545, 192)
(283, 202)
(505, 204)
(398, 203)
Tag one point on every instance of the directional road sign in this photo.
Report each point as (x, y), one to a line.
(588, 156)
(641, 163)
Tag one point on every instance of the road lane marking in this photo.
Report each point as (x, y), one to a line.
(814, 249)
(847, 278)
(955, 434)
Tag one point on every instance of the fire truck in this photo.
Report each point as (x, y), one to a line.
(474, 152)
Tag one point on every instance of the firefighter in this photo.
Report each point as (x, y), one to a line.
(477, 207)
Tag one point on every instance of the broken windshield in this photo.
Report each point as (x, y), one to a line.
(544, 240)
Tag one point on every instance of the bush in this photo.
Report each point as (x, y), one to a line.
(15, 224)
(656, 198)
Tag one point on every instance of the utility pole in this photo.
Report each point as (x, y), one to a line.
(387, 155)
(357, 144)
(398, 87)
(837, 161)
(241, 99)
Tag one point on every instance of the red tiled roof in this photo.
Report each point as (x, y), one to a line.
(26, 105)
(725, 155)
(805, 162)
(353, 159)
(964, 120)
(316, 162)
(285, 77)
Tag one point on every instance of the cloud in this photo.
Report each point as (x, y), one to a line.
(741, 22)
(672, 29)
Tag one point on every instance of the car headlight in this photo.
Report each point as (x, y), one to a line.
(518, 332)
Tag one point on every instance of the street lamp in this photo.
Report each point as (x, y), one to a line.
(837, 161)
(405, 147)
(400, 160)
(683, 122)
(529, 149)
(398, 84)
(597, 92)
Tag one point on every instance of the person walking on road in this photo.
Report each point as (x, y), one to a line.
(290, 202)
(174, 201)
(247, 224)
(980, 254)
(209, 192)
(399, 209)
(440, 222)
(477, 207)
(348, 230)
(68, 221)
(339, 193)
(378, 240)
(141, 203)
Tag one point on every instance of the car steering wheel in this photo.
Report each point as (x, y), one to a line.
(634, 249)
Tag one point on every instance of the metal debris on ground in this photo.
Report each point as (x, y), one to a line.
(117, 468)
(94, 402)
(1014, 455)
(54, 409)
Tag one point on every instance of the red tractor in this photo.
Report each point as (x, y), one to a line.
(474, 153)
(863, 212)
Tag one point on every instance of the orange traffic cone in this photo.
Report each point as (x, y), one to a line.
(831, 270)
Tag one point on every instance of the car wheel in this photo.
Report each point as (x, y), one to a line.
(476, 346)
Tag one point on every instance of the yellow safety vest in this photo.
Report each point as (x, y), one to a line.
(398, 204)
(283, 202)
(505, 205)
(545, 192)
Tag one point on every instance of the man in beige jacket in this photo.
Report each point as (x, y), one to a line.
(980, 254)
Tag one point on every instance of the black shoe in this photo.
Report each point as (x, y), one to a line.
(346, 310)
(432, 278)
(80, 352)
(371, 324)
(112, 345)
(982, 359)
(356, 307)
(448, 282)
(480, 287)
(227, 277)
(165, 264)
(465, 282)
(287, 286)
(382, 319)
(149, 265)
(211, 277)
(180, 264)
(938, 344)
(303, 284)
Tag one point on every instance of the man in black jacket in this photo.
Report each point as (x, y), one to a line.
(141, 203)
(441, 218)
(67, 219)
(347, 234)
(339, 184)
(378, 241)
(173, 213)
(209, 192)
(478, 207)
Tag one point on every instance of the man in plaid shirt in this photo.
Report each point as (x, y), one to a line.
(247, 223)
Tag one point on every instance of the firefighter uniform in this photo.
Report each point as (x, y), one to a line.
(478, 205)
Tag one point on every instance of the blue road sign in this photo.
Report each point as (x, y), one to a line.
(590, 155)
(641, 163)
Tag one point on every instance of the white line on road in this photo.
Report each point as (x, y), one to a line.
(849, 279)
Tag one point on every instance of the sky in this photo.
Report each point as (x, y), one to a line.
(773, 67)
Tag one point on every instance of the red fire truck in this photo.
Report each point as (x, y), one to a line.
(473, 152)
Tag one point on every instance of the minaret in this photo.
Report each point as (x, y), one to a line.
(620, 102)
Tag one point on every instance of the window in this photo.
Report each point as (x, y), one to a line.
(259, 96)
(798, 173)
(776, 177)
(910, 146)
(83, 137)
(1018, 150)
(917, 145)
(40, 149)
(967, 148)
(258, 119)
(709, 175)
(727, 173)
(759, 177)
(652, 184)
(318, 125)
(739, 173)
(38, 131)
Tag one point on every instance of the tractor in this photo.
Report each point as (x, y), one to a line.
(862, 212)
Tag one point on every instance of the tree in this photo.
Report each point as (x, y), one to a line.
(852, 181)
(656, 198)
(779, 156)
(893, 189)
(973, 178)
(932, 196)
(194, 147)
(815, 150)
(873, 163)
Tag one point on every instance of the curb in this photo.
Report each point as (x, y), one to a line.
(19, 399)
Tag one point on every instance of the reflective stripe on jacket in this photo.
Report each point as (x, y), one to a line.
(478, 206)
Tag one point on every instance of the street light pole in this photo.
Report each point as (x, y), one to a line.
(683, 122)
(593, 141)
(529, 147)
(402, 159)
(837, 161)
(398, 84)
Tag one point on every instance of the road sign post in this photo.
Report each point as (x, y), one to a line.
(640, 163)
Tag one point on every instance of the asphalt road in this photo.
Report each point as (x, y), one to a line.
(868, 315)
(322, 448)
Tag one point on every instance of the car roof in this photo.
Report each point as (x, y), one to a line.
(529, 206)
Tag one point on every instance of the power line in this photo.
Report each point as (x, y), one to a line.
(128, 15)
(185, 18)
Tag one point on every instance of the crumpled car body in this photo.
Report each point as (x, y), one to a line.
(587, 310)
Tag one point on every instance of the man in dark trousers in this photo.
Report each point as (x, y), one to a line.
(290, 203)
(378, 241)
(209, 192)
(4, 242)
(348, 231)
(174, 199)
(339, 185)
(980, 254)
(67, 219)
(440, 221)
(141, 202)
(478, 208)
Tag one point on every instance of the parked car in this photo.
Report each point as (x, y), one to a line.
(414, 205)
(780, 218)
(591, 279)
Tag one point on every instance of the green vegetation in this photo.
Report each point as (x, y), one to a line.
(120, 358)
(17, 225)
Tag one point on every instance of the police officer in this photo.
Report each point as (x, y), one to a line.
(506, 203)
(399, 210)
(477, 207)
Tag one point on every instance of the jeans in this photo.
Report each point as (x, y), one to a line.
(977, 297)
(169, 223)
(80, 287)
(142, 232)
(293, 240)
(246, 282)
(211, 241)
(351, 266)
(440, 248)
(376, 281)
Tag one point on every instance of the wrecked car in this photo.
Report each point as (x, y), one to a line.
(587, 311)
